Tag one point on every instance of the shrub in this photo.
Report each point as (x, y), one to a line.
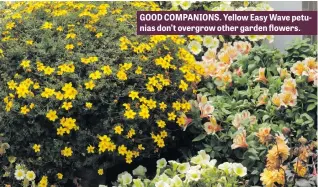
(268, 93)
(80, 89)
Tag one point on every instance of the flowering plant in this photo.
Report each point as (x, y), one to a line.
(82, 90)
(267, 93)
(200, 171)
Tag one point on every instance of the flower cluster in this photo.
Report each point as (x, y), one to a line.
(21, 173)
(288, 96)
(216, 63)
(90, 101)
(200, 170)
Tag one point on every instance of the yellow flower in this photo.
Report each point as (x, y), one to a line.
(122, 150)
(121, 75)
(59, 28)
(98, 35)
(47, 25)
(140, 147)
(67, 152)
(36, 86)
(43, 182)
(163, 134)
(95, 75)
(133, 95)
(90, 149)
(130, 114)
(131, 133)
(162, 106)
(300, 169)
(48, 92)
(29, 42)
(176, 105)
(181, 121)
(59, 95)
(161, 143)
(24, 110)
(270, 177)
(138, 70)
(106, 70)
(100, 171)
(12, 85)
(32, 105)
(25, 63)
(36, 148)
(48, 70)
(171, 116)
(89, 85)
(51, 115)
(151, 104)
(71, 35)
(88, 105)
(69, 47)
(10, 25)
(144, 113)
(183, 85)
(59, 176)
(67, 105)
(127, 106)
(161, 124)
(118, 129)
(60, 131)
(186, 106)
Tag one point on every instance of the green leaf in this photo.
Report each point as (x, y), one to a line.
(198, 138)
(257, 58)
(311, 107)
(265, 117)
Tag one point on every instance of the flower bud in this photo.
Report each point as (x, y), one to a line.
(302, 140)
(286, 131)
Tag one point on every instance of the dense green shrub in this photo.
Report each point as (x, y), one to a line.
(81, 89)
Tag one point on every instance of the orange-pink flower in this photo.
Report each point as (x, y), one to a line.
(262, 99)
(311, 75)
(289, 85)
(239, 71)
(289, 98)
(211, 127)
(277, 100)
(209, 56)
(243, 118)
(205, 107)
(239, 140)
(299, 68)
(311, 63)
(243, 47)
(261, 76)
(283, 73)
(263, 134)
(225, 58)
(186, 121)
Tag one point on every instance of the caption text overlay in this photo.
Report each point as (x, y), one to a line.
(227, 23)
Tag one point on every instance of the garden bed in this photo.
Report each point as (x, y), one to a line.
(87, 102)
